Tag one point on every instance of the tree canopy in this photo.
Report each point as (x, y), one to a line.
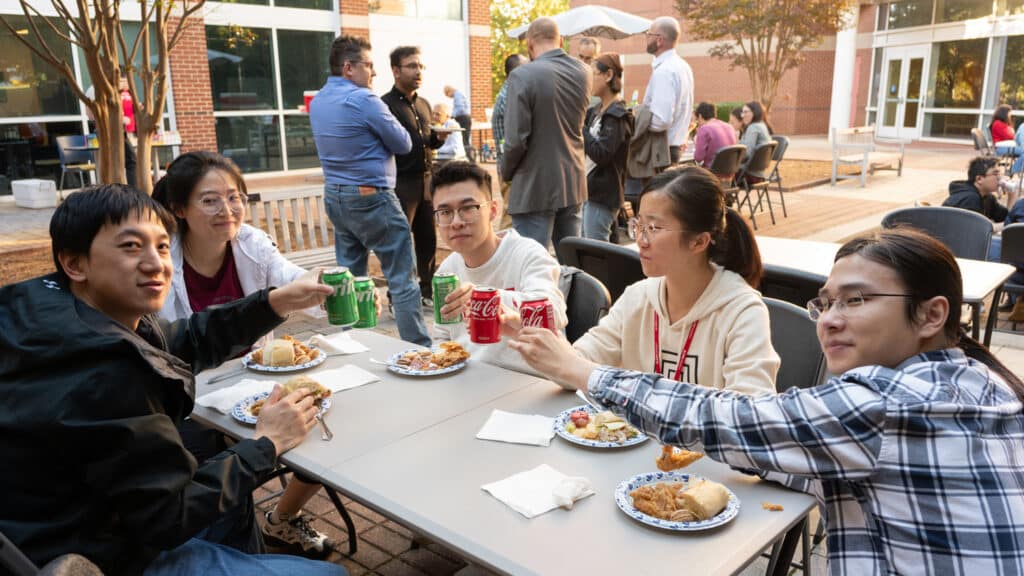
(509, 14)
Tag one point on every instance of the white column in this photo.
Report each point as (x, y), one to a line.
(843, 73)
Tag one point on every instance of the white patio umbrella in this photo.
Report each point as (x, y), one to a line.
(600, 21)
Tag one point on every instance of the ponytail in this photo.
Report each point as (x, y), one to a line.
(736, 249)
(976, 350)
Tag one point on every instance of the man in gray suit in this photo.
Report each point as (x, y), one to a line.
(544, 157)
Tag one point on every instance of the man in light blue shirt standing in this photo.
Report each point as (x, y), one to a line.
(357, 139)
(463, 114)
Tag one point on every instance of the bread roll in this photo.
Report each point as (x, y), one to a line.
(703, 499)
(279, 353)
(297, 382)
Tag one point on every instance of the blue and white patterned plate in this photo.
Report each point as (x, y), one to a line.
(240, 411)
(248, 362)
(394, 367)
(625, 502)
(563, 418)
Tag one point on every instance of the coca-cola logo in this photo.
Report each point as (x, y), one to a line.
(484, 308)
(534, 316)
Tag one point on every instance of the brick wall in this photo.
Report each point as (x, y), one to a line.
(190, 77)
(479, 20)
(359, 9)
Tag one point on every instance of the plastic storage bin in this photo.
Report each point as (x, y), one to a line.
(34, 193)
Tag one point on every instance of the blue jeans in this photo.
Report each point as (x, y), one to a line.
(376, 222)
(597, 221)
(549, 226)
(201, 557)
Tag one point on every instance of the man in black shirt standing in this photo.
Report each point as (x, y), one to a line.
(413, 185)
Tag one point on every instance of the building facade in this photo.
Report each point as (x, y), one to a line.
(239, 75)
(920, 69)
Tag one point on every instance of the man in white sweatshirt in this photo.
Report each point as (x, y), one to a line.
(520, 268)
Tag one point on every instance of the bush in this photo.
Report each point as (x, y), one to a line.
(723, 109)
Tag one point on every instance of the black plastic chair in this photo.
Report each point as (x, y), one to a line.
(74, 161)
(760, 161)
(795, 339)
(586, 301)
(981, 143)
(782, 144)
(1012, 253)
(790, 285)
(725, 165)
(968, 234)
(14, 562)
(614, 266)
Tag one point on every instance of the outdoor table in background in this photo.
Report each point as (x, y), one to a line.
(155, 146)
(406, 447)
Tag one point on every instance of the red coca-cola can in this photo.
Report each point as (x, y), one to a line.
(484, 325)
(537, 312)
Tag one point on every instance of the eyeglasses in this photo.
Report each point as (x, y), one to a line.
(468, 214)
(414, 66)
(847, 306)
(647, 232)
(366, 63)
(649, 34)
(993, 173)
(212, 204)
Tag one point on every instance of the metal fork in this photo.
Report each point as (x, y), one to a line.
(325, 432)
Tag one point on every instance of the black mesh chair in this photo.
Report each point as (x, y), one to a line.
(74, 161)
(725, 165)
(1012, 253)
(760, 162)
(586, 301)
(968, 234)
(790, 285)
(782, 144)
(614, 266)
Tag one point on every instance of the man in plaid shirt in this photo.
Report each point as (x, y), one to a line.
(916, 452)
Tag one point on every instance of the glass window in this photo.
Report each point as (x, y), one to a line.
(258, 2)
(882, 17)
(311, 4)
(29, 150)
(1011, 87)
(441, 9)
(305, 63)
(1007, 7)
(948, 125)
(876, 78)
(241, 68)
(393, 7)
(957, 10)
(28, 85)
(298, 137)
(253, 142)
(910, 13)
(958, 72)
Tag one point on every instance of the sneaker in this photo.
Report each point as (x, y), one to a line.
(297, 535)
(427, 302)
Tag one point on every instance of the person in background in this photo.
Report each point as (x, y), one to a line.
(1001, 126)
(452, 149)
(512, 62)
(466, 212)
(217, 259)
(413, 182)
(606, 133)
(712, 135)
(588, 50)
(357, 138)
(544, 157)
(736, 121)
(914, 449)
(1014, 303)
(698, 316)
(119, 487)
(756, 133)
(1006, 142)
(669, 93)
(463, 114)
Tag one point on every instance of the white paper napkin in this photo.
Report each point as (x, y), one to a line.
(337, 343)
(518, 428)
(536, 491)
(345, 377)
(224, 399)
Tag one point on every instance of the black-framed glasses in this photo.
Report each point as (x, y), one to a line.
(847, 305)
(368, 64)
(468, 214)
(212, 204)
(647, 232)
(414, 66)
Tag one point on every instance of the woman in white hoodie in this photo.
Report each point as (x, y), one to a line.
(698, 301)
(217, 258)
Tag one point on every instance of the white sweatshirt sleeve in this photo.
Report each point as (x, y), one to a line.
(603, 343)
(540, 272)
(750, 363)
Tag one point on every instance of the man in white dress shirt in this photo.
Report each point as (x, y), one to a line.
(669, 92)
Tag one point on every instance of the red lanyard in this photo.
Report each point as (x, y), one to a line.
(682, 353)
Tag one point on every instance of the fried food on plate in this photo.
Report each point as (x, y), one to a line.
(674, 458)
(284, 351)
(318, 390)
(448, 354)
(696, 501)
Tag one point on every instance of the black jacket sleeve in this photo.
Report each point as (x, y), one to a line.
(995, 211)
(603, 149)
(208, 338)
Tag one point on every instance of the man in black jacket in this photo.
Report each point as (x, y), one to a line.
(977, 193)
(92, 386)
(413, 185)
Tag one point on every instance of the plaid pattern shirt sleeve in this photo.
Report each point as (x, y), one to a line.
(498, 120)
(920, 468)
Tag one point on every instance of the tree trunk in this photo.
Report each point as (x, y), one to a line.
(144, 155)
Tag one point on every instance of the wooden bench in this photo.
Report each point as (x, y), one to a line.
(860, 146)
(298, 224)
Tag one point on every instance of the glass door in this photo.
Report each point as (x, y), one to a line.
(902, 94)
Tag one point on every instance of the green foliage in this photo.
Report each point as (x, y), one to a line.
(723, 109)
(764, 37)
(509, 14)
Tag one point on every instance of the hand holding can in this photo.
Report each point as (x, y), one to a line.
(484, 325)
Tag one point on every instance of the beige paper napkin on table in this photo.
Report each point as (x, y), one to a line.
(539, 490)
(530, 429)
(224, 399)
(345, 377)
(337, 343)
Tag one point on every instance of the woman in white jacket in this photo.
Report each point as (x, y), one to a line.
(217, 258)
(697, 318)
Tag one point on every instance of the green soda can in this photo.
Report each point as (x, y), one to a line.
(364, 302)
(341, 306)
(444, 284)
